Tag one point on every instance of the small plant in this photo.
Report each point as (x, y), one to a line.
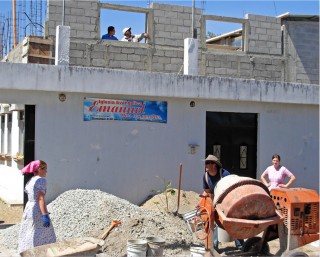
(18, 157)
(166, 190)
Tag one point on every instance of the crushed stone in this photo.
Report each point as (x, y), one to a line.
(88, 213)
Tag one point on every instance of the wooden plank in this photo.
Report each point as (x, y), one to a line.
(223, 47)
(40, 40)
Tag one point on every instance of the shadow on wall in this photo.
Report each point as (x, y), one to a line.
(305, 41)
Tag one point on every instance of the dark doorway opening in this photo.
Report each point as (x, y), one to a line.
(29, 141)
(232, 137)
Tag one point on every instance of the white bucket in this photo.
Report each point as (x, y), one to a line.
(197, 251)
(136, 248)
(223, 236)
(155, 246)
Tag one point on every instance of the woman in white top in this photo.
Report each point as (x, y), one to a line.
(36, 228)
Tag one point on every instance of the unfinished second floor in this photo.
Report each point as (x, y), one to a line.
(283, 48)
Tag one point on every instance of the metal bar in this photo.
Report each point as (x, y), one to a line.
(14, 23)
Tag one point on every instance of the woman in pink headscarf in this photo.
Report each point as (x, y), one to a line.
(36, 228)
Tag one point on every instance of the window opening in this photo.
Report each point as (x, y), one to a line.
(217, 151)
(225, 33)
(243, 157)
(135, 20)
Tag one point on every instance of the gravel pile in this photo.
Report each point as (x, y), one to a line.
(81, 213)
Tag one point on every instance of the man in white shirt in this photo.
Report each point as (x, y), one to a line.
(133, 38)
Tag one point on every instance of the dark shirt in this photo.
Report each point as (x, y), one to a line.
(213, 180)
(106, 36)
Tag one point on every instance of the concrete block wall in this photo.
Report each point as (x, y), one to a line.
(172, 24)
(302, 51)
(82, 16)
(241, 65)
(15, 55)
(264, 34)
(113, 54)
(169, 25)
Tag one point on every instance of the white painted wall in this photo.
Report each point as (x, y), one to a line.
(123, 158)
(11, 185)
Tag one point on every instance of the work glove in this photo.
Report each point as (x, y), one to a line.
(46, 220)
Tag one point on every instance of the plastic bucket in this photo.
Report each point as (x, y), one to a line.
(136, 248)
(197, 251)
(155, 246)
(223, 236)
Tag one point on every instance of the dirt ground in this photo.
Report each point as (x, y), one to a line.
(188, 200)
(10, 214)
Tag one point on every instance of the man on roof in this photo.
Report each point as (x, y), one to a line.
(129, 37)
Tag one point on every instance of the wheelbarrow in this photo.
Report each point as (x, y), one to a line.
(84, 246)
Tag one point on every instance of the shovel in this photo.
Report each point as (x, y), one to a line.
(179, 186)
(114, 223)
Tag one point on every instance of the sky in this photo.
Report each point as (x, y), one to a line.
(228, 8)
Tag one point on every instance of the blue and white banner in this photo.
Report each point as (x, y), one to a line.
(128, 110)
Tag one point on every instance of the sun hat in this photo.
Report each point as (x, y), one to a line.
(214, 159)
(125, 30)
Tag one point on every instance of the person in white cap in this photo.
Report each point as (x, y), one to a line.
(214, 172)
(132, 38)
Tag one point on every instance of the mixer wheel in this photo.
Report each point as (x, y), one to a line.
(252, 245)
(294, 254)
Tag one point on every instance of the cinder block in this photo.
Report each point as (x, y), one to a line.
(176, 35)
(266, 25)
(260, 31)
(76, 26)
(88, 27)
(157, 67)
(220, 71)
(183, 16)
(83, 34)
(134, 57)
(76, 53)
(121, 57)
(114, 64)
(91, 13)
(84, 4)
(177, 61)
(171, 28)
(275, 51)
(71, 18)
(83, 19)
(158, 13)
(164, 21)
(97, 54)
(164, 60)
(77, 11)
(98, 63)
(127, 65)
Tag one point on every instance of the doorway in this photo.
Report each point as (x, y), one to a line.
(29, 142)
(232, 137)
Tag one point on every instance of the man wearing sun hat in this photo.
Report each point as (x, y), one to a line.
(214, 172)
(132, 38)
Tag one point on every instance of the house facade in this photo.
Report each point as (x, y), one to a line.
(244, 106)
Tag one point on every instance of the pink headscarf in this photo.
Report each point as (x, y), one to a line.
(31, 167)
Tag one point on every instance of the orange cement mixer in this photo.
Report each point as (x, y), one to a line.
(244, 207)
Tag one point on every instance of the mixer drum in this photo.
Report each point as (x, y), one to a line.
(243, 198)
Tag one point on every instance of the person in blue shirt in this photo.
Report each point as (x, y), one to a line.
(214, 172)
(110, 35)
